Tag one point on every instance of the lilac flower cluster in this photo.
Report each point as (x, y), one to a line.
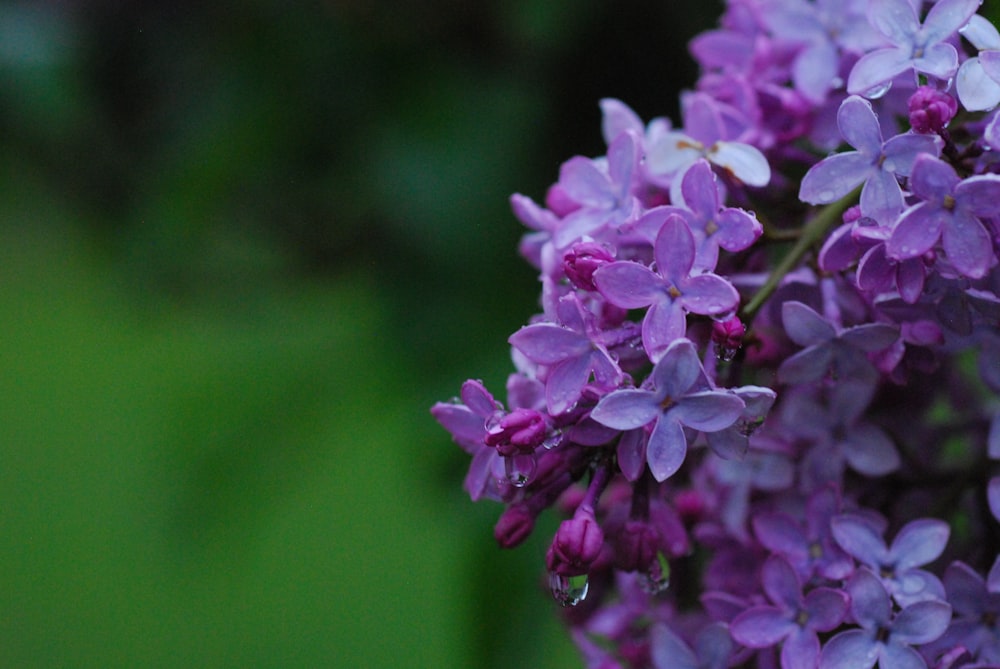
(763, 390)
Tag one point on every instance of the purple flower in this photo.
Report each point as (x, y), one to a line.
(976, 605)
(571, 354)
(827, 349)
(881, 636)
(681, 397)
(601, 189)
(915, 46)
(791, 619)
(916, 544)
(808, 546)
(875, 163)
(670, 292)
(951, 211)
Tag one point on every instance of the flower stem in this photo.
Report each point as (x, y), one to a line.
(814, 231)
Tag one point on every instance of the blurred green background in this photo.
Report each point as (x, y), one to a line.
(243, 248)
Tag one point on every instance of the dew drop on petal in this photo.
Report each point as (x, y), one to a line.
(569, 590)
(877, 91)
(519, 469)
(826, 196)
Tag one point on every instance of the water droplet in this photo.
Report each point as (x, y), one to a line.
(726, 353)
(656, 579)
(877, 91)
(519, 469)
(747, 426)
(826, 196)
(569, 590)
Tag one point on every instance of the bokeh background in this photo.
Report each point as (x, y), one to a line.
(243, 249)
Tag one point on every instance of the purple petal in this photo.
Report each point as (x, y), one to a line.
(876, 68)
(616, 118)
(976, 89)
(781, 584)
(622, 160)
(922, 622)
(665, 322)
(946, 17)
(826, 607)
(859, 126)
(870, 602)
(779, 533)
(547, 343)
(738, 229)
(881, 197)
(840, 250)
(668, 651)
(896, 19)
(980, 194)
(707, 411)
(853, 649)
(800, 650)
(932, 179)
(478, 399)
(871, 336)
(919, 542)
(859, 538)
(966, 590)
(869, 451)
(674, 249)
(700, 191)
(807, 365)
(708, 294)
(626, 409)
(938, 60)
(585, 183)
(761, 627)
(968, 245)
(917, 231)
(876, 273)
(666, 449)
(466, 427)
(901, 151)
(834, 177)
(565, 382)
(678, 370)
(632, 454)
(804, 326)
(898, 656)
(910, 279)
(628, 285)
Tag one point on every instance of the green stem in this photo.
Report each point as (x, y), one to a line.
(814, 231)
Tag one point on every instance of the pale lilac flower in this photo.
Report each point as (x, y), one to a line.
(705, 136)
(874, 163)
(712, 648)
(951, 211)
(976, 606)
(681, 397)
(915, 45)
(883, 637)
(670, 292)
(978, 79)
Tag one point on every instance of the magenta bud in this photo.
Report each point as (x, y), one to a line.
(514, 526)
(520, 431)
(577, 543)
(728, 337)
(582, 260)
(931, 109)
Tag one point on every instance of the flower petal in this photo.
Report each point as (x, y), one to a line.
(666, 449)
(626, 409)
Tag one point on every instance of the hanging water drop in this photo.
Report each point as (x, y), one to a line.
(877, 91)
(519, 469)
(569, 590)
(656, 579)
